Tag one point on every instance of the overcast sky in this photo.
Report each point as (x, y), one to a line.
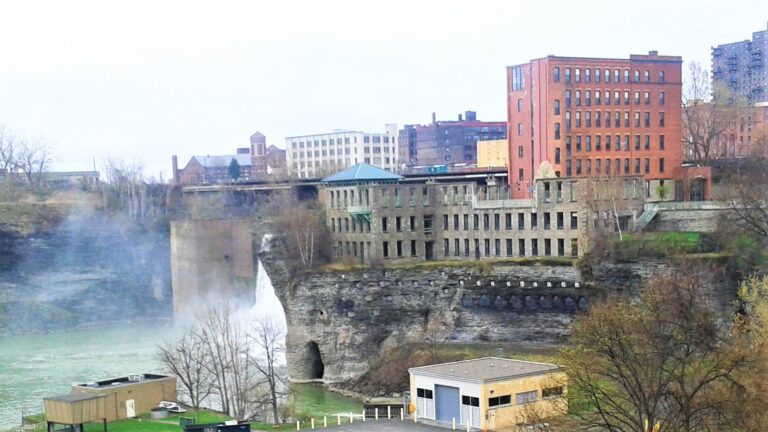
(142, 80)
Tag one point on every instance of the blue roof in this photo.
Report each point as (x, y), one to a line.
(362, 172)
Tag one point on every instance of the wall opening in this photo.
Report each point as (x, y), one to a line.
(315, 361)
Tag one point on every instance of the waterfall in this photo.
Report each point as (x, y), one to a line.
(266, 304)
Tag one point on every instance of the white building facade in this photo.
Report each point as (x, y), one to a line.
(311, 156)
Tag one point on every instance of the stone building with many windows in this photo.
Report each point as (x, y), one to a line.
(376, 216)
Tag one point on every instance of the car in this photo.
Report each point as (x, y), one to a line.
(171, 407)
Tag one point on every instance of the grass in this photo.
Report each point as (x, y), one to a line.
(314, 400)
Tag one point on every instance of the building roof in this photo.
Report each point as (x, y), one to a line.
(486, 369)
(223, 160)
(121, 381)
(360, 173)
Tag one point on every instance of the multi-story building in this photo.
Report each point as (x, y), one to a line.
(377, 216)
(594, 117)
(744, 135)
(316, 155)
(214, 169)
(743, 67)
(447, 142)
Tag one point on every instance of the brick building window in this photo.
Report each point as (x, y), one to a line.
(647, 167)
(637, 165)
(588, 97)
(626, 75)
(597, 98)
(567, 121)
(626, 142)
(637, 142)
(608, 118)
(520, 174)
(607, 76)
(637, 98)
(661, 98)
(661, 164)
(626, 98)
(626, 119)
(568, 146)
(626, 166)
(598, 143)
(616, 76)
(519, 129)
(557, 155)
(556, 74)
(661, 142)
(637, 119)
(607, 166)
(578, 74)
(567, 98)
(646, 76)
(578, 97)
(662, 77)
(661, 119)
(607, 97)
(637, 75)
(588, 142)
(578, 119)
(647, 145)
(519, 105)
(607, 142)
(588, 118)
(597, 75)
(568, 170)
(567, 75)
(587, 75)
(557, 106)
(520, 152)
(616, 98)
(578, 166)
(518, 80)
(598, 119)
(578, 143)
(647, 119)
(557, 131)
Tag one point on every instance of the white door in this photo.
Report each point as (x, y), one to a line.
(130, 408)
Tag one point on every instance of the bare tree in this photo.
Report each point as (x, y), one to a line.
(185, 359)
(708, 114)
(32, 160)
(269, 341)
(747, 197)
(303, 226)
(7, 152)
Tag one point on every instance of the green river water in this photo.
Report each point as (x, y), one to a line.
(39, 365)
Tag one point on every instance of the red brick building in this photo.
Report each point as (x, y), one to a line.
(595, 117)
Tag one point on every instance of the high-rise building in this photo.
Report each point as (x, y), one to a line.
(594, 117)
(743, 66)
(310, 156)
(447, 142)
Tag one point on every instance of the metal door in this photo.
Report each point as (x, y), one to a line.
(447, 403)
(130, 408)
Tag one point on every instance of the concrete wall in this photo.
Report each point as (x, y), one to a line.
(510, 415)
(211, 260)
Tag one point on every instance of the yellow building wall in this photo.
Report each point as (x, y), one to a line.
(510, 415)
(494, 153)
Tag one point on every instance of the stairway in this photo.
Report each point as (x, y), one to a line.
(648, 214)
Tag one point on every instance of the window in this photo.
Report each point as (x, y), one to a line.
(487, 247)
(597, 98)
(466, 222)
(646, 76)
(588, 142)
(496, 221)
(456, 222)
(626, 118)
(518, 81)
(567, 98)
(607, 97)
(578, 143)
(445, 223)
(578, 166)
(413, 247)
(534, 220)
(637, 75)
(588, 119)
(466, 247)
(557, 106)
(647, 119)
(626, 98)
(534, 247)
(560, 247)
(662, 76)
(568, 146)
(519, 105)
(637, 165)
(519, 129)
(567, 121)
(557, 131)
(520, 221)
(578, 97)
(647, 166)
(598, 119)
(597, 75)
(626, 75)
(587, 75)
(557, 155)
(520, 174)
(509, 247)
(446, 247)
(626, 142)
(637, 98)
(616, 76)
(661, 164)
(607, 166)
(547, 220)
(598, 142)
(560, 220)
(424, 393)
(555, 391)
(647, 145)
(497, 245)
(521, 247)
(661, 98)
(500, 401)
(607, 76)
(567, 75)
(661, 119)
(456, 249)
(508, 220)
(473, 401)
(637, 142)
(486, 221)
(608, 118)
(385, 249)
(476, 222)
(661, 142)
(616, 98)
(384, 224)
(556, 74)
(607, 142)
(547, 247)
(588, 98)
(412, 223)
(520, 152)
(626, 165)
(647, 98)
(574, 247)
(578, 74)
(637, 119)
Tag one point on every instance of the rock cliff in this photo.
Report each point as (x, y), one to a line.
(339, 320)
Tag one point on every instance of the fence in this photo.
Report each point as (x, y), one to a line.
(370, 414)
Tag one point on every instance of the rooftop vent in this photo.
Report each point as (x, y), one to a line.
(135, 378)
(653, 53)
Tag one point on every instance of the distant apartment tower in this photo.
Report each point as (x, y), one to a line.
(588, 117)
(743, 66)
(447, 142)
(316, 155)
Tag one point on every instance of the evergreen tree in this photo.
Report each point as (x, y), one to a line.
(234, 170)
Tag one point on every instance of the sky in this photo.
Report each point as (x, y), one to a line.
(139, 81)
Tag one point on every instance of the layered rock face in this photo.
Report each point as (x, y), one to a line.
(339, 320)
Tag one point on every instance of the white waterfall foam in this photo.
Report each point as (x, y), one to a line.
(267, 305)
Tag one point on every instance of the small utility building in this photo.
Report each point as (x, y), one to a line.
(488, 393)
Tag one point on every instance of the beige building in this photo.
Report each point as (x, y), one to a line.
(492, 153)
(488, 393)
(376, 217)
(109, 400)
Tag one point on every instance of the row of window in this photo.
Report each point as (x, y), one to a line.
(604, 75)
(584, 167)
(496, 401)
(600, 142)
(462, 222)
(338, 163)
(606, 100)
(347, 151)
(375, 139)
(604, 120)
(453, 247)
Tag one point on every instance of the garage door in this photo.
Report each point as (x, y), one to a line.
(447, 402)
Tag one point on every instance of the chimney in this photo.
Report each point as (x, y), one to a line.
(175, 164)
(460, 118)
(470, 115)
(434, 118)
(653, 53)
